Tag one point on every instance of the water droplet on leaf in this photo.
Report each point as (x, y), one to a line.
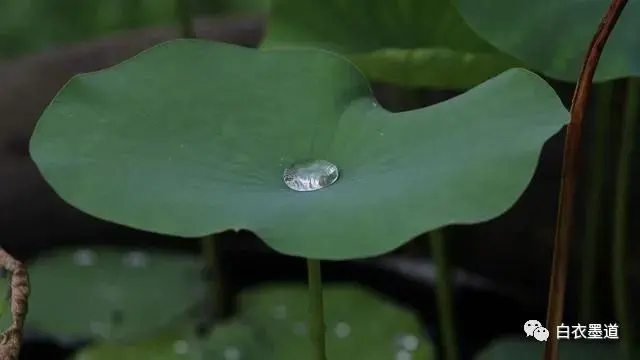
(135, 259)
(342, 330)
(408, 342)
(299, 328)
(181, 347)
(232, 353)
(403, 355)
(310, 175)
(84, 257)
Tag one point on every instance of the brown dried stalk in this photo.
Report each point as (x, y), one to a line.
(11, 339)
(570, 175)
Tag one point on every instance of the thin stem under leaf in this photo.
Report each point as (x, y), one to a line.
(213, 274)
(603, 101)
(560, 262)
(444, 295)
(619, 259)
(132, 14)
(185, 18)
(317, 328)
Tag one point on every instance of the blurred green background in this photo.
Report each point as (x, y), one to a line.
(31, 25)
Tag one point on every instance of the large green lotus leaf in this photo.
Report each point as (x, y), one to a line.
(192, 137)
(111, 294)
(409, 42)
(272, 326)
(509, 349)
(552, 36)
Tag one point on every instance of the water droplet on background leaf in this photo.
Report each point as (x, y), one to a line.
(403, 355)
(299, 328)
(409, 342)
(181, 347)
(135, 259)
(342, 330)
(232, 353)
(310, 175)
(84, 257)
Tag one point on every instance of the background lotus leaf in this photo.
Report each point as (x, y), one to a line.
(552, 36)
(105, 293)
(38, 24)
(272, 326)
(192, 138)
(411, 42)
(176, 344)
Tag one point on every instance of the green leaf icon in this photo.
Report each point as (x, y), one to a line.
(192, 138)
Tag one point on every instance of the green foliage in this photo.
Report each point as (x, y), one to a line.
(32, 25)
(111, 294)
(232, 7)
(552, 36)
(271, 326)
(192, 137)
(38, 24)
(411, 42)
(168, 345)
(509, 349)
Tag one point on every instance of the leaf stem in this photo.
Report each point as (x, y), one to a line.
(185, 18)
(444, 295)
(317, 326)
(603, 101)
(132, 13)
(560, 262)
(213, 274)
(618, 261)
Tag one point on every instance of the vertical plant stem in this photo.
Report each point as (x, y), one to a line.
(560, 262)
(185, 18)
(317, 328)
(618, 261)
(444, 295)
(603, 101)
(214, 277)
(132, 14)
